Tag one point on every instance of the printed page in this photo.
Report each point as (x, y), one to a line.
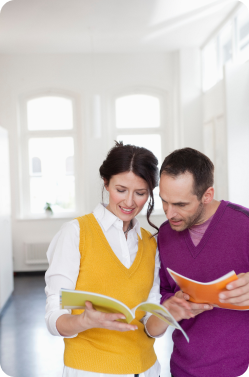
(161, 312)
(70, 299)
(206, 293)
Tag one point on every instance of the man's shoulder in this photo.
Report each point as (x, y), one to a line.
(238, 209)
(164, 226)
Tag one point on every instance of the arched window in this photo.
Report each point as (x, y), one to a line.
(70, 165)
(49, 132)
(36, 166)
(139, 120)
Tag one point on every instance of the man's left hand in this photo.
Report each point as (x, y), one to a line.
(237, 292)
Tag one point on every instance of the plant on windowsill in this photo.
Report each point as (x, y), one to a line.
(48, 209)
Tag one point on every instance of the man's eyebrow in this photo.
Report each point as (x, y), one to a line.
(175, 204)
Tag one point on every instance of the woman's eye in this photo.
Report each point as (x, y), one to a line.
(141, 194)
(120, 190)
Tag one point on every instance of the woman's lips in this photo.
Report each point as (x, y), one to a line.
(127, 211)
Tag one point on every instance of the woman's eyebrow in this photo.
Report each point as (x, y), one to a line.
(135, 189)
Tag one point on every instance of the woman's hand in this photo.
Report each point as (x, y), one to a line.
(180, 308)
(69, 325)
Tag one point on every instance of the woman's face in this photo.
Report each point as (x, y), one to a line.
(127, 195)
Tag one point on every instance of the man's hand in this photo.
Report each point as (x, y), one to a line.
(238, 291)
(179, 306)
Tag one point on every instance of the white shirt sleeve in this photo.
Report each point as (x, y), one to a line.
(154, 295)
(64, 263)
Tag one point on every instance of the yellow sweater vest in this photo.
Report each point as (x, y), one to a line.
(105, 351)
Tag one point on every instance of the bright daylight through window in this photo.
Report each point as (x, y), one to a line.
(230, 43)
(139, 117)
(50, 145)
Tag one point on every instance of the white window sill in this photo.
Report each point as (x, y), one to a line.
(49, 218)
(156, 212)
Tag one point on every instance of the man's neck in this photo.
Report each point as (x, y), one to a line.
(209, 211)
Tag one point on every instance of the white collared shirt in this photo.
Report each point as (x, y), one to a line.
(64, 261)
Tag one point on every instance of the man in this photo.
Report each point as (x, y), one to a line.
(203, 239)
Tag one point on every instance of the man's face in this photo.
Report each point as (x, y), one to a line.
(180, 204)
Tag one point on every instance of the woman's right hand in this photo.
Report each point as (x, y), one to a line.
(69, 325)
(180, 308)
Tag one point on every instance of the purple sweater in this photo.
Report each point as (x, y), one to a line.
(219, 339)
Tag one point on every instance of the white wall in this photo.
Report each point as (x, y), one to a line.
(215, 136)
(237, 107)
(6, 266)
(84, 76)
(190, 98)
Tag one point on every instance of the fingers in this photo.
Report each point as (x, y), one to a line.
(201, 307)
(243, 279)
(183, 295)
(237, 292)
(118, 326)
(96, 319)
(89, 305)
(178, 308)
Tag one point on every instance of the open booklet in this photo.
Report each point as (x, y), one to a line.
(70, 299)
(206, 293)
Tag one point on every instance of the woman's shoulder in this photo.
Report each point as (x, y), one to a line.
(147, 234)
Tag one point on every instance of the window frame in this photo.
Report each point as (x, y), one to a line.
(162, 130)
(25, 134)
(237, 55)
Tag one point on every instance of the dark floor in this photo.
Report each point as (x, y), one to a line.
(26, 347)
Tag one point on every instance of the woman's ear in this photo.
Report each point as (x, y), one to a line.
(106, 184)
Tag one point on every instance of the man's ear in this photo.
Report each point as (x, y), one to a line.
(208, 195)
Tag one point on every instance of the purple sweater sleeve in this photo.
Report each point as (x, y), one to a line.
(167, 290)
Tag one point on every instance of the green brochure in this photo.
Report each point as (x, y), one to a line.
(71, 299)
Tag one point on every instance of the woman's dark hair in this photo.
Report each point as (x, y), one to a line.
(142, 162)
(192, 161)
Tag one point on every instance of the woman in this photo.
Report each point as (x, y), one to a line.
(107, 252)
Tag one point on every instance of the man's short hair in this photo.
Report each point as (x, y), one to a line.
(192, 161)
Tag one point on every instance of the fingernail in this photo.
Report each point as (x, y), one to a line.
(222, 295)
(229, 286)
(206, 306)
(123, 317)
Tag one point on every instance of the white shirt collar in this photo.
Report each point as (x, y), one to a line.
(108, 219)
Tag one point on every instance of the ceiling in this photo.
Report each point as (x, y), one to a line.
(104, 26)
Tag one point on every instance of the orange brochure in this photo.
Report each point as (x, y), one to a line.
(206, 293)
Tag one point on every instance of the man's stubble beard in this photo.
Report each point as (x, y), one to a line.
(196, 219)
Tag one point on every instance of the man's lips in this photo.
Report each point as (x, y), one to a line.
(175, 222)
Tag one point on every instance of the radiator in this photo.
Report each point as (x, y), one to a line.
(35, 253)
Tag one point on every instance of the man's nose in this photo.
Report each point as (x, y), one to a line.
(171, 212)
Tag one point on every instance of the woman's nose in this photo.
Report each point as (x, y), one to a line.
(129, 200)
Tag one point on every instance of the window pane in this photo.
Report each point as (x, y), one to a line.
(137, 111)
(50, 113)
(153, 143)
(243, 30)
(225, 38)
(55, 185)
(210, 65)
(36, 166)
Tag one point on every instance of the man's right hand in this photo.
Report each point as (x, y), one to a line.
(180, 308)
